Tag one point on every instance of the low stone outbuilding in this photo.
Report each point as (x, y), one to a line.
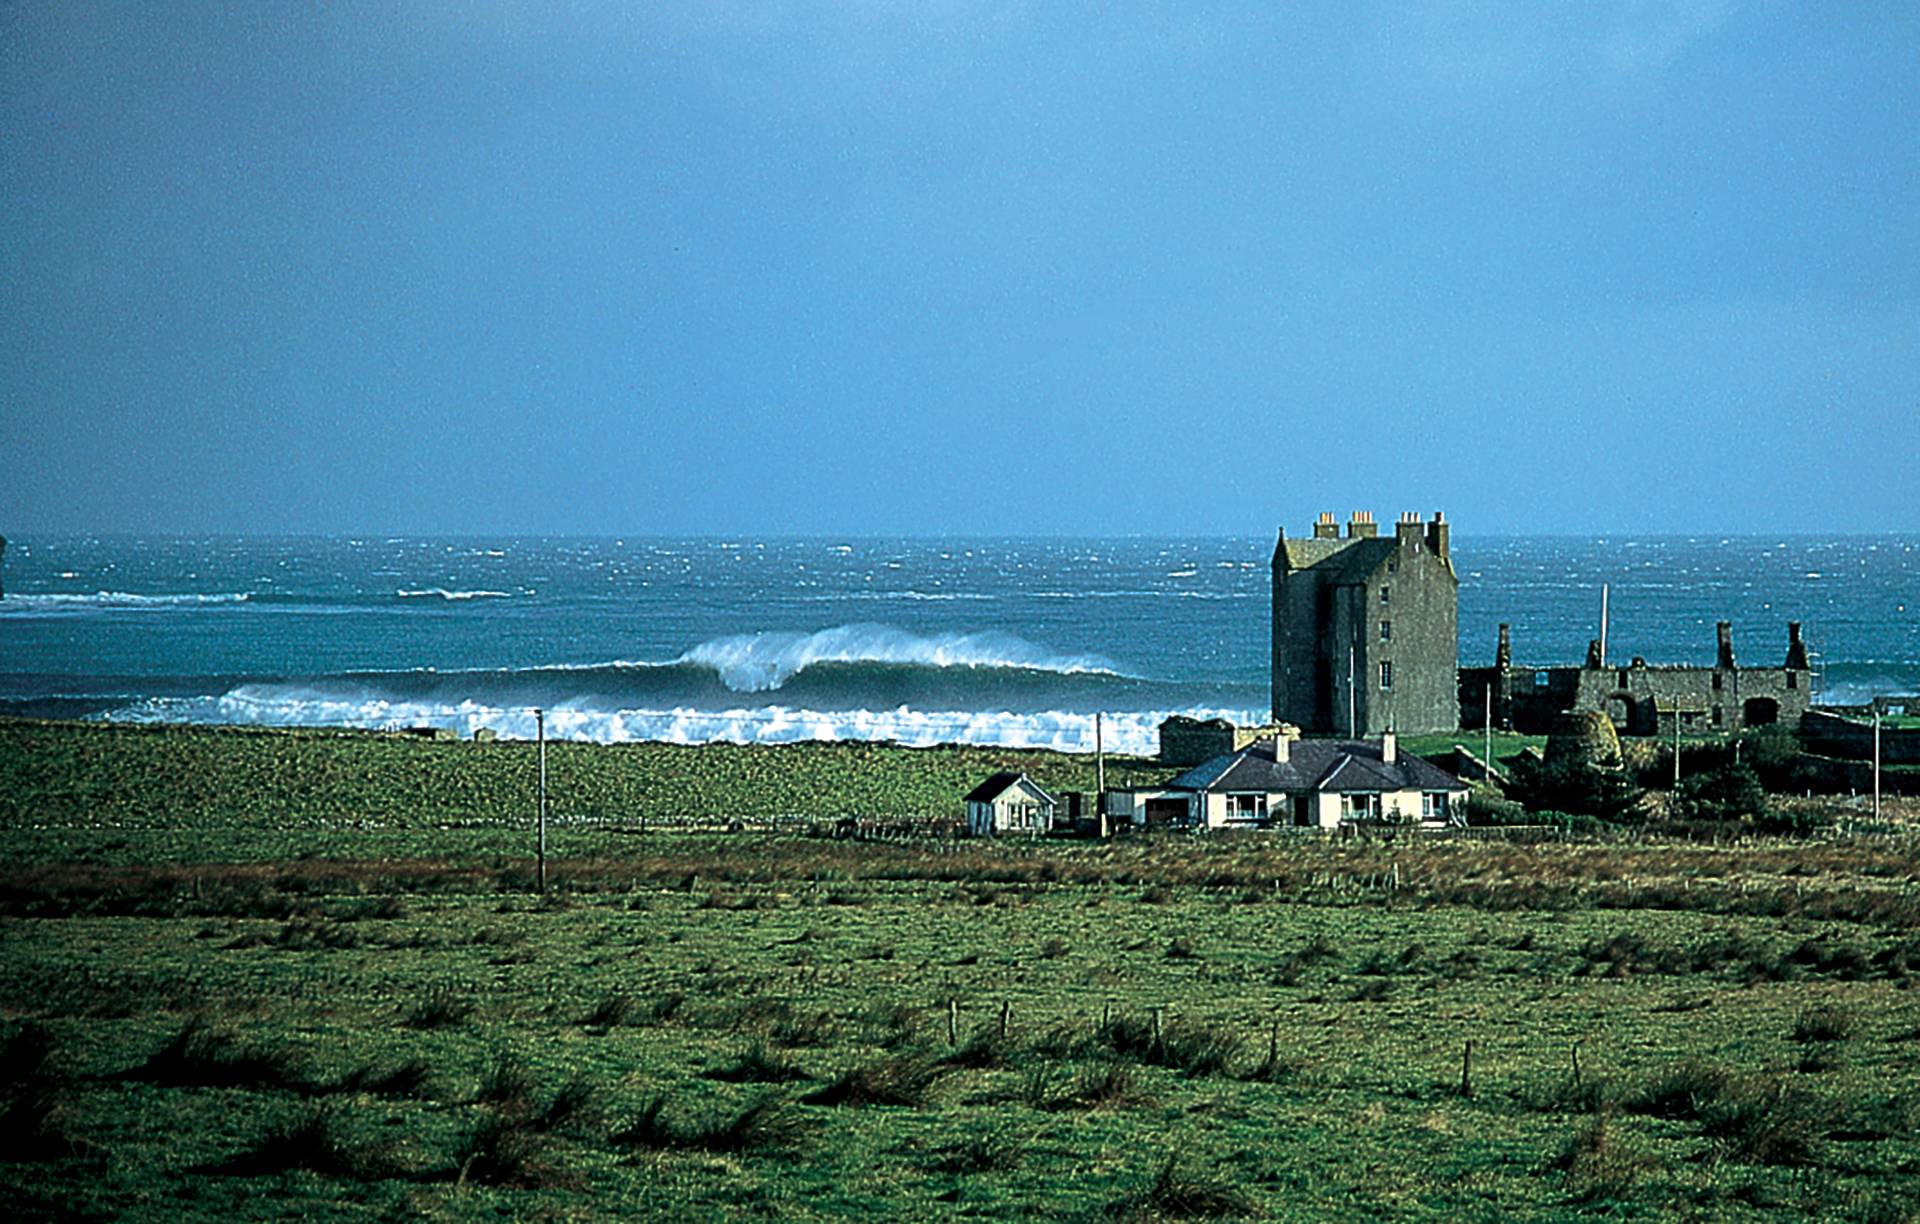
(1305, 784)
(1010, 804)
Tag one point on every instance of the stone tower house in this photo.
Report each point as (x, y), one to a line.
(1365, 628)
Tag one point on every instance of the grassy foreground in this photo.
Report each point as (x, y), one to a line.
(211, 1009)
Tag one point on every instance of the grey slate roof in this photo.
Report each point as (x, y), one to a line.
(1342, 560)
(1315, 765)
(999, 784)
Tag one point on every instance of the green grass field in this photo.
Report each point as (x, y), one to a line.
(253, 974)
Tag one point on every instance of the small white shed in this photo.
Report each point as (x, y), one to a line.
(1009, 803)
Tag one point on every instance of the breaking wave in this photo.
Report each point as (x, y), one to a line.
(757, 662)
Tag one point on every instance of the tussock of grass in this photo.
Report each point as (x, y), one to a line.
(758, 1065)
(1598, 1164)
(314, 1140)
(439, 1007)
(982, 1152)
(1686, 1092)
(1825, 1022)
(408, 1078)
(197, 1056)
(507, 1085)
(1767, 1123)
(1177, 1194)
(577, 1106)
(903, 1079)
(1110, 1085)
(1195, 1049)
(983, 1050)
(766, 1125)
(613, 1011)
(505, 1151)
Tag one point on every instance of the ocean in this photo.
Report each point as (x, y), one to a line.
(993, 641)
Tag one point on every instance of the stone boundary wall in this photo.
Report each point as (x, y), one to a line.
(1834, 735)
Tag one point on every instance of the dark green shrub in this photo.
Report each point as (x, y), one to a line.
(1730, 793)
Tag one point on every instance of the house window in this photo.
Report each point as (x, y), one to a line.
(1386, 594)
(1244, 807)
(1386, 631)
(1433, 806)
(1359, 806)
(1386, 673)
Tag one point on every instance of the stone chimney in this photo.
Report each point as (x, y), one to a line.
(1324, 528)
(1796, 648)
(1437, 536)
(1283, 744)
(1361, 526)
(1725, 631)
(1389, 748)
(1503, 653)
(1410, 532)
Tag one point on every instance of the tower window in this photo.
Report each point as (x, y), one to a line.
(1386, 594)
(1386, 631)
(1386, 673)
(1793, 680)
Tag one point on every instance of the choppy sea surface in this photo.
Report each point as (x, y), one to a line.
(1004, 641)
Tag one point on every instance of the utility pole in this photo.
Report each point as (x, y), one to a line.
(540, 731)
(1876, 766)
(1603, 624)
(1676, 744)
(1099, 759)
(1353, 701)
(1489, 730)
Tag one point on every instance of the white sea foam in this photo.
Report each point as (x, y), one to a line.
(759, 662)
(1065, 731)
(443, 593)
(112, 600)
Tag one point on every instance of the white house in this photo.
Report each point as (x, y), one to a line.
(1009, 803)
(1309, 784)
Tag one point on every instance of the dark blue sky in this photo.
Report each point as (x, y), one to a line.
(953, 267)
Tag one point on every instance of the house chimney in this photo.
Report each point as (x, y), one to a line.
(1389, 748)
(1503, 653)
(1410, 532)
(1324, 528)
(1796, 649)
(1437, 533)
(1282, 747)
(1725, 631)
(1361, 526)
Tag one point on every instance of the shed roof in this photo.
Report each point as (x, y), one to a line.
(1002, 782)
